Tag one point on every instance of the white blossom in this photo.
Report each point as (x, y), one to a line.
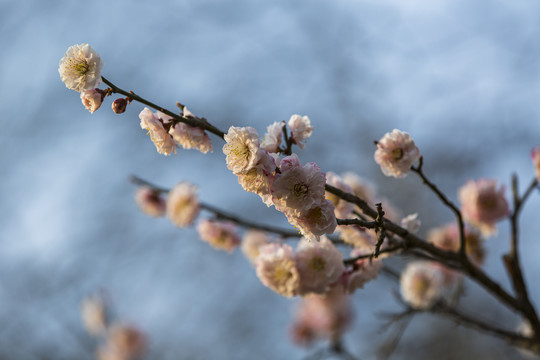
(252, 242)
(300, 129)
(277, 270)
(80, 68)
(319, 264)
(317, 221)
(221, 235)
(183, 204)
(272, 138)
(421, 284)
(161, 139)
(242, 149)
(396, 152)
(297, 188)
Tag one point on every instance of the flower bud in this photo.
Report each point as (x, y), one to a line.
(119, 105)
(92, 99)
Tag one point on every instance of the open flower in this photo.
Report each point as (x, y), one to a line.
(421, 284)
(319, 264)
(221, 235)
(272, 139)
(190, 137)
(317, 221)
(252, 242)
(300, 129)
(80, 68)
(396, 152)
(154, 125)
(150, 201)
(298, 188)
(242, 149)
(482, 205)
(277, 270)
(182, 204)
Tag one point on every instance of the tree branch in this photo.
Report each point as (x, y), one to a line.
(196, 122)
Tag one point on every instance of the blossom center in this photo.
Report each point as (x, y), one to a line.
(397, 154)
(317, 263)
(300, 190)
(488, 202)
(282, 274)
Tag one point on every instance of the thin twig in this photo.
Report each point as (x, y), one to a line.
(192, 121)
(447, 202)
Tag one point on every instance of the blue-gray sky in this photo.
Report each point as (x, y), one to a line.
(462, 77)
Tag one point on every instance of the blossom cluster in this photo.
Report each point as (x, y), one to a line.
(296, 190)
(314, 268)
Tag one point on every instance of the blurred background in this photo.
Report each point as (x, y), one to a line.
(462, 77)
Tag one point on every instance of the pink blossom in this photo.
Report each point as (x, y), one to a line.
(183, 204)
(322, 316)
(252, 242)
(319, 264)
(343, 209)
(154, 125)
(364, 270)
(482, 205)
(258, 179)
(396, 153)
(92, 99)
(421, 284)
(272, 139)
(298, 188)
(150, 201)
(447, 238)
(277, 270)
(221, 235)
(191, 137)
(242, 149)
(317, 221)
(535, 155)
(300, 129)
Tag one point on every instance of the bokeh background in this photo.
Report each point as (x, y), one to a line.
(463, 77)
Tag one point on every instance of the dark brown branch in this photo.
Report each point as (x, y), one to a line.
(447, 202)
(448, 258)
(192, 121)
(512, 261)
(359, 222)
(352, 260)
